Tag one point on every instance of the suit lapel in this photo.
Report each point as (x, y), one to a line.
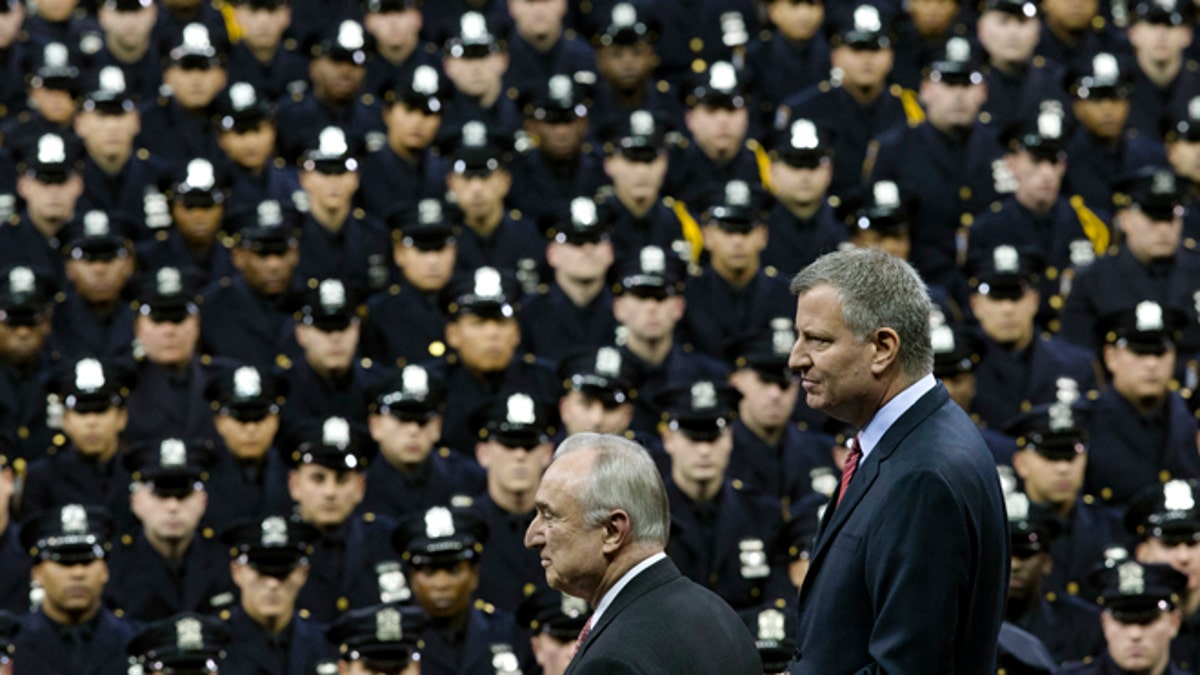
(652, 577)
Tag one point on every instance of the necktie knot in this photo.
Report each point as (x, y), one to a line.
(850, 466)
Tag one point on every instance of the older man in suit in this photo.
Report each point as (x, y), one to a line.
(910, 566)
(600, 529)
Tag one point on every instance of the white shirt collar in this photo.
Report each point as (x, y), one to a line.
(870, 435)
(608, 597)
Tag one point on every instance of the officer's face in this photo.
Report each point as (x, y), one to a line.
(329, 191)
(480, 197)
(932, 17)
(10, 25)
(1184, 556)
(50, 202)
(835, 367)
(648, 318)
(952, 107)
(1050, 481)
(409, 128)
(1008, 322)
(247, 440)
(1185, 159)
(552, 654)
(1139, 377)
(194, 88)
(1149, 239)
(404, 443)
(55, 105)
(1038, 180)
(359, 668)
(95, 434)
(335, 80)
(265, 598)
(325, 497)
(1008, 38)
(580, 262)
(1140, 649)
(484, 345)
(1158, 43)
(129, 30)
(56, 10)
(580, 413)
(428, 271)
(572, 551)
(445, 591)
(1027, 573)
(72, 591)
(734, 254)
(107, 135)
(268, 274)
(863, 68)
(168, 519)
(249, 149)
(796, 20)
(197, 223)
(718, 131)
(636, 182)
(626, 67)
(262, 29)
(695, 461)
(536, 19)
(961, 388)
(167, 343)
(764, 405)
(799, 187)
(477, 78)
(1069, 15)
(329, 351)
(1104, 118)
(513, 470)
(21, 344)
(897, 244)
(559, 141)
(395, 31)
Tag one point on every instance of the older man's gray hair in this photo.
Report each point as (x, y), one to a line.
(622, 477)
(877, 290)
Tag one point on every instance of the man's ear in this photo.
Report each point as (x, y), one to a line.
(887, 349)
(617, 527)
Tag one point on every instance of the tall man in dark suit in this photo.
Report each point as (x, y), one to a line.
(600, 530)
(919, 526)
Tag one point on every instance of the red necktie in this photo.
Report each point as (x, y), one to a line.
(850, 466)
(587, 628)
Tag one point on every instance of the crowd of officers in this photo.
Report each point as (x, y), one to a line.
(296, 298)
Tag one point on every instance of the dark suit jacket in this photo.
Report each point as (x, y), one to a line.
(909, 573)
(645, 630)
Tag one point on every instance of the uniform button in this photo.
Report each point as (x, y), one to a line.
(964, 193)
(967, 219)
(1073, 588)
(696, 45)
(343, 604)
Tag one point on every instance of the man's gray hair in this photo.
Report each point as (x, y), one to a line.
(624, 477)
(877, 290)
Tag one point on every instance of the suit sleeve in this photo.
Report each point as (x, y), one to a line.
(916, 566)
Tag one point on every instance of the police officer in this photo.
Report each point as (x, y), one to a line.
(197, 203)
(1065, 624)
(406, 169)
(269, 565)
(441, 549)
(14, 587)
(515, 448)
(801, 225)
(1017, 81)
(626, 56)
(1140, 619)
(540, 48)
(475, 61)
(800, 530)
(922, 31)
(336, 99)
(407, 323)
(169, 564)
(127, 29)
(262, 58)
(406, 421)
(575, 310)
(72, 631)
(52, 86)
(485, 334)
(723, 537)
(178, 127)
(245, 123)
(1141, 431)
(329, 380)
(1019, 364)
(1158, 33)
(249, 317)
(554, 620)
(1051, 458)
(338, 241)
(1181, 135)
(878, 215)
(397, 46)
(380, 638)
(50, 185)
(599, 387)
(327, 481)
(26, 357)
(791, 57)
(88, 470)
(249, 474)
(772, 455)
(733, 293)
(1073, 32)
(183, 643)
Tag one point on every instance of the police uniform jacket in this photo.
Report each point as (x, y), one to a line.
(147, 587)
(143, 78)
(952, 179)
(507, 570)
(716, 311)
(913, 52)
(23, 405)
(543, 187)
(660, 226)
(1094, 165)
(392, 184)
(1017, 649)
(799, 465)
(313, 19)
(121, 194)
(359, 253)
(1067, 625)
(22, 131)
(467, 393)
(78, 33)
(241, 324)
(691, 30)
(1105, 39)
(295, 651)
(1084, 534)
(301, 119)
(342, 563)
(314, 397)
(440, 480)
(1149, 104)
(795, 242)
(237, 491)
(658, 96)
(247, 191)
(553, 326)
(66, 477)
(731, 546)
(13, 66)
(14, 560)
(79, 330)
(442, 18)
(1006, 379)
(22, 244)
(782, 68)
(176, 136)
(1104, 665)
(680, 367)
(168, 249)
(170, 403)
(529, 68)
(382, 74)
(692, 175)
(403, 325)
(473, 651)
(514, 246)
(284, 75)
(44, 648)
(168, 30)
(1017, 96)
(503, 116)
